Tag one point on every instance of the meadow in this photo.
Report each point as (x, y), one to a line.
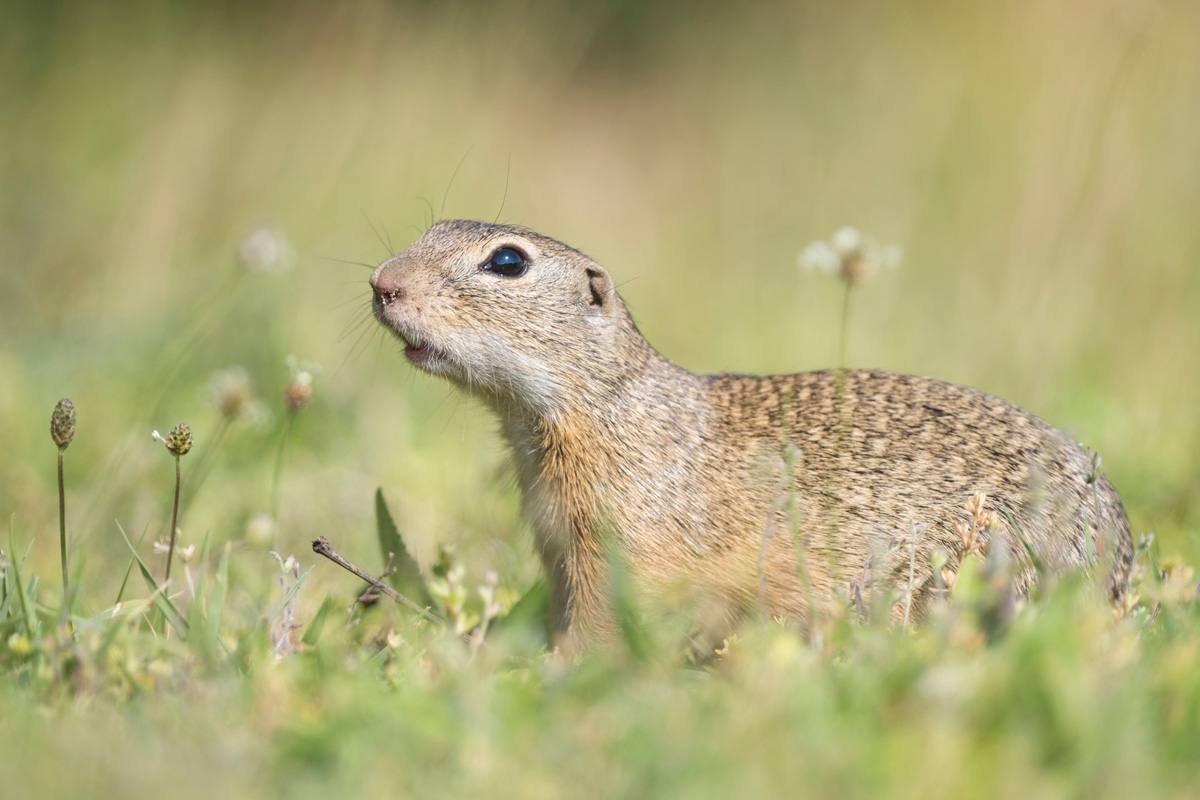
(192, 197)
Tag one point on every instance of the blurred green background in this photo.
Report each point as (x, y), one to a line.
(1036, 161)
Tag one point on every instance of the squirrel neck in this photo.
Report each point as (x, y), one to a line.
(623, 373)
(631, 399)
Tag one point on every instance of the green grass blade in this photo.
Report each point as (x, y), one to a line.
(204, 640)
(216, 603)
(129, 568)
(313, 632)
(201, 579)
(159, 597)
(5, 595)
(407, 578)
(78, 563)
(1033, 558)
(27, 611)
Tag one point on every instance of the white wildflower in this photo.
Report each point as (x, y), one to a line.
(849, 254)
(302, 371)
(232, 394)
(260, 529)
(299, 388)
(266, 250)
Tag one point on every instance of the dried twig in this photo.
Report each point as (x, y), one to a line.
(370, 595)
(321, 546)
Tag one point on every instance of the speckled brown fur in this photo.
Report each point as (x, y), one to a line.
(687, 471)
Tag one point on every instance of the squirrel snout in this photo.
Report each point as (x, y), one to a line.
(386, 283)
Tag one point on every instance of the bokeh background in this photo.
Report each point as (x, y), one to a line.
(1037, 162)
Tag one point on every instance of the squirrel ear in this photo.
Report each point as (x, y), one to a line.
(600, 288)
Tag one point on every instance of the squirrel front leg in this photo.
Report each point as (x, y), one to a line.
(581, 610)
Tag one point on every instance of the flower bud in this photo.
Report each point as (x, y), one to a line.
(178, 441)
(298, 393)
(62, 423)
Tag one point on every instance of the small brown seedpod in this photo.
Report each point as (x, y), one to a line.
(179, 440)
(62, 423)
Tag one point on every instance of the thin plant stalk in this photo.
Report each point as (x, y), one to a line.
(845, 325)
(1089, 557)
(295, 397)
(1093, 548)
(174, 523)
(275, 480)
(844, 411)
(204, 466)
(62, 431)
(62, 524)
(912, 574)
(915, 534)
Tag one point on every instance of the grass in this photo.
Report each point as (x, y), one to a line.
(1061, 698)
(1034, 160)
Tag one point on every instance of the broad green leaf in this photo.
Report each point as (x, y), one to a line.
(531, 612)
(407, 578)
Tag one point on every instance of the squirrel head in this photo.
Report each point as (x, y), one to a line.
(517, 318)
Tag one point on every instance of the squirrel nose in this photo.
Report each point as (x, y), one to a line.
(386, 282)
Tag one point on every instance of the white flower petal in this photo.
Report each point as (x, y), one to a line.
(820, 257)
(266, 250)
(847, 240)
(889, 256)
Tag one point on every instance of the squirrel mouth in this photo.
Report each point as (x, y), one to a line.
(420, 354)
(417, 350)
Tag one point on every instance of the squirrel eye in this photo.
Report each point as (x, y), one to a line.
(507, 262)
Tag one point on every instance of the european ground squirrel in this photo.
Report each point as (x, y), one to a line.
(687, 476)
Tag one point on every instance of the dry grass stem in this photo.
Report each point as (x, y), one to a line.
(321, 546)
